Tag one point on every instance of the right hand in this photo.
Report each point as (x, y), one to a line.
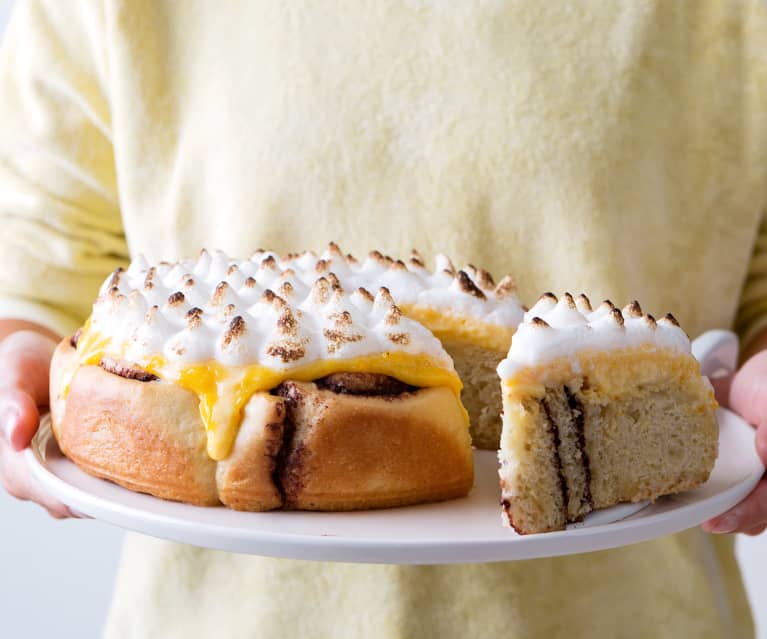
(25, 360)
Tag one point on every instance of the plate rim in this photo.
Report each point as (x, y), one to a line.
(636, 527)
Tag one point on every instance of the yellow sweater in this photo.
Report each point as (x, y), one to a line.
(615, 148)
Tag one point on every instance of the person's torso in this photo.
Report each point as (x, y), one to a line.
(619, 149)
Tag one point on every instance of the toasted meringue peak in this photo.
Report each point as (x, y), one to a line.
(506, 287)
(583, 303)
(575, 327)
(468, 286)
(261, 310)
(668, 317)
(194, 317)
(176, 298)
(485, 279)
(366, 294)
(416, 259)
(235, 331)
(334, 249)
(269, 263)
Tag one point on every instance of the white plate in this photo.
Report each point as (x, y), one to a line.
(465, 530)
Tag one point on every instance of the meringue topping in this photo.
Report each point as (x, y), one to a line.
(555, 328)
(226, 328)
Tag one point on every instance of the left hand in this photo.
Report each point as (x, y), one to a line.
(746, 394)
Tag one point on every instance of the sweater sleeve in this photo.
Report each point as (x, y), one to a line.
(752, 312)
(60, 225)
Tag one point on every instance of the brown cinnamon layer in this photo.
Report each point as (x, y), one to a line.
(129, 371)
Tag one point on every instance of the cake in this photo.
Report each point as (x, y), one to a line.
(472, 316)
(259, 386)
(599, 407)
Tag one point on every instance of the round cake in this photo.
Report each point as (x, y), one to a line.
(260, 384)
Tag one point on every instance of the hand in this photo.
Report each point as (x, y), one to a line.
(746, 394)
(25, 358)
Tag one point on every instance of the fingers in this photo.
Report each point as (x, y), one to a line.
(748, 392)
(756, 531)
(17, 481)
(26, 359)
(747, 516)
(19, 417)
(761, 442)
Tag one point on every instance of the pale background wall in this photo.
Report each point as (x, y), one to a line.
(56, 577)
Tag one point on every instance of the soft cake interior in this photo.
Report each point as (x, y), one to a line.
(481, 395)
(589, 444)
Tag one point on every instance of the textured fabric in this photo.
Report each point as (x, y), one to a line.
(615, 148)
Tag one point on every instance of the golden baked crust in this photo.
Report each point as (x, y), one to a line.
(345, 452)
(356, 452)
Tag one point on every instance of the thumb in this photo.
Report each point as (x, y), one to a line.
(19, 417)
(748, 390)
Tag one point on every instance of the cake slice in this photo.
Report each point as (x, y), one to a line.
(600, 407)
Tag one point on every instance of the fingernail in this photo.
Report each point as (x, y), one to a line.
(726, 524)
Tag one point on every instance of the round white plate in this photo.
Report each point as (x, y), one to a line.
(465, 530)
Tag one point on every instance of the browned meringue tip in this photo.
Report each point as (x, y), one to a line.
(466, 284)
(506, 287)
(569, 300)
(270, 297)
(342, 318)
(379, 257)
(219, 293)
(398, 265)
(149, 279)
(235, 331)
(668, 317)
(585, 301)
(286, 289)
(233, 268)
(335, 283)
(188, 282)
(366, 294)
(539, 323)
(448, 266)
(633, 309)
(617, 316)
(385, 295)
(290, 257)
(229, 310)
(334, 249)
(250, 282)
(286, 274)
(114, 280)
(485, 279)
(607, 303)
(194, 317)
(548, 295)
(175, 299)
(286, 323)
(416, 259)
(269, 263)
(393, 316)
(320, 292)
(321, 266)
(350, 259)
(203, 252)
(650, 321)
